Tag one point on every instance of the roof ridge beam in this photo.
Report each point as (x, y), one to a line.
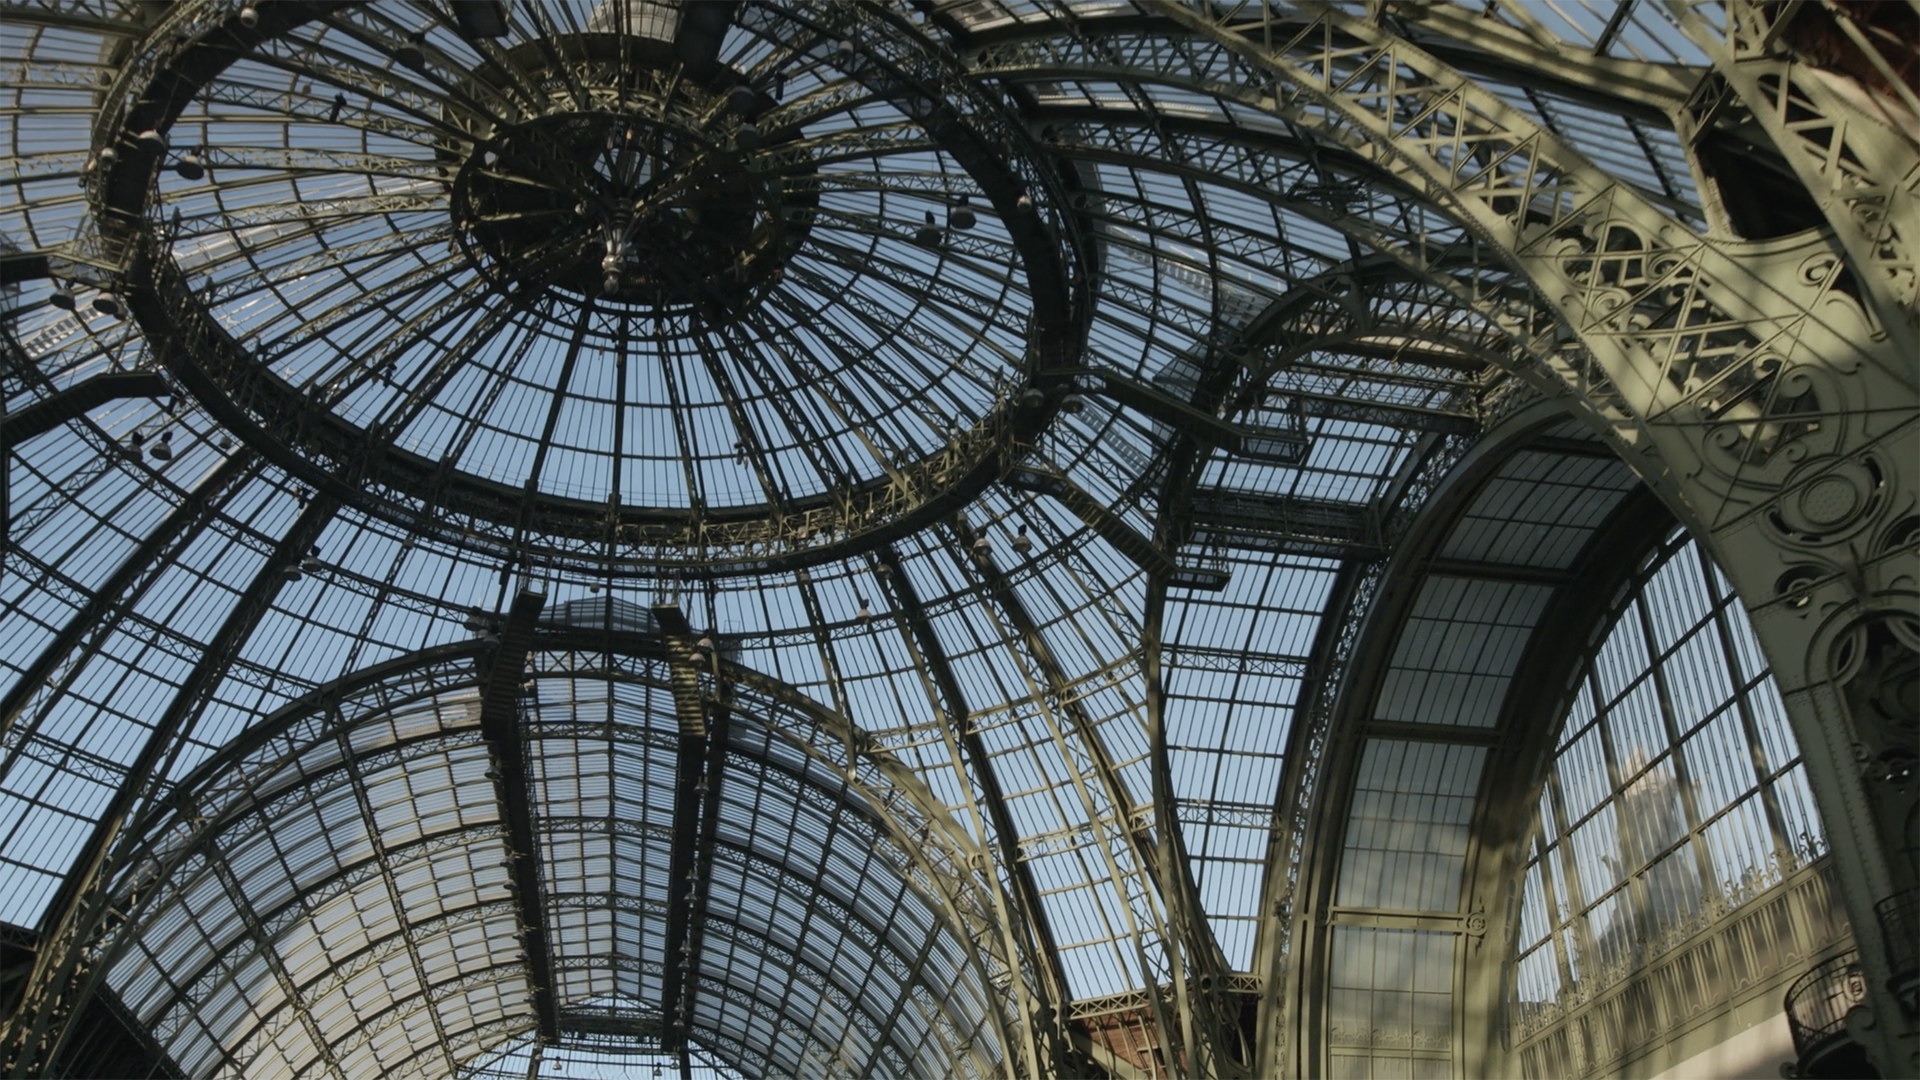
(501, 725)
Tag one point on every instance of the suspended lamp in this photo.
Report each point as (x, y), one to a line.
(928, 235)
(411, 54)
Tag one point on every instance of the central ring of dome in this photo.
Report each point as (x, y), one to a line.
(667, 203)
(592, 295)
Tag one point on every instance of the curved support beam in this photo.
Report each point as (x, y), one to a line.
(1152, 910)
(39, 1027)
(210, 801)
(500, 723)
(56, 409)
(1778, 404)
(1025, 919)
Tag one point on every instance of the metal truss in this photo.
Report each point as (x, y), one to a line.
(183, 830)
(1022, 916)
(1724, 357)
(504, 729)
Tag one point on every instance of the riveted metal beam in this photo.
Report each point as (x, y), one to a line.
(1292, 524)
(502, 725)
(1026, 926)
(56, 409)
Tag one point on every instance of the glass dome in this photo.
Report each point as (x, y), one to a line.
(830, 539)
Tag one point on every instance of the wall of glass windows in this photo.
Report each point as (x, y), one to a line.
(1677, 863)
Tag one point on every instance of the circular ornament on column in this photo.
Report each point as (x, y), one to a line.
(1827, 499)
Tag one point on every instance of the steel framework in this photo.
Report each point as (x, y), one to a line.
(667, 473)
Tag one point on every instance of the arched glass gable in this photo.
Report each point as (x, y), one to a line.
(1676, 852)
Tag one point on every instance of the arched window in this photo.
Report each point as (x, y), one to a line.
(1674, 799)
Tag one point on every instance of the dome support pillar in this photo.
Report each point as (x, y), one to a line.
(1755, 385)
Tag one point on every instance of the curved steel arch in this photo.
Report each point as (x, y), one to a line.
(1810, 588)
(326, 715)
(460, 838)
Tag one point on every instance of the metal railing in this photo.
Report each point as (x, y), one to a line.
(1818, 1002)
(1899, 918)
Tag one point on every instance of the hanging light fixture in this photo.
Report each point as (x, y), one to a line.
(152, 139)
(249, 16)
(106, 304)
(1022, 543)
(411, 54)
(928, 235)
(290, 573)
(311, 564)
(962, 215)
(705, 644)
(191, 165)
(63, 298)
(163, 450)
(1073, 404)
(865, 614)
(107, 155)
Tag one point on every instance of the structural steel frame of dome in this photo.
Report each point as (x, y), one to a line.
(1757, 377)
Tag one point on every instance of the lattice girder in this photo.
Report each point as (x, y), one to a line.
(1776, 403)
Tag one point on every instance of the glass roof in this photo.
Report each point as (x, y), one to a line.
(339, 894)
(880, 341)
